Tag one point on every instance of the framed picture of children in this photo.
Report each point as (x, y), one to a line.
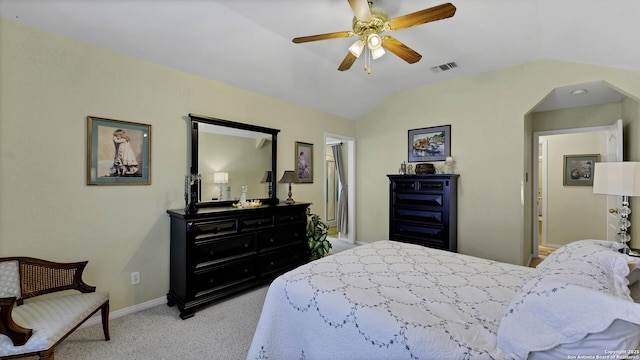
(304, 162)
(578, 169)
(118, 152)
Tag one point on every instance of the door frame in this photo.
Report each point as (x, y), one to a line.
(350, 163)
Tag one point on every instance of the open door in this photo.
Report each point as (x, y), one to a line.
(614, 153)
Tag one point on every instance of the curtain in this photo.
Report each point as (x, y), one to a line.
(341, 217)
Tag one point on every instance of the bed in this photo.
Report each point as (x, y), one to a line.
(391, 300)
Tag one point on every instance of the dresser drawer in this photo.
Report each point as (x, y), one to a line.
(256, 223)
(418, 231)
(432, 243)
(281, 236)
(431, 185)
(201, 230)
(215, 278)
(283, 260)
(291, 218)
(427, 216)
(418, 199)
(216, 250)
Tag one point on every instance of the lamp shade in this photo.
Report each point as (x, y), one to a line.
(356, 48)
(267, 177)
(220, 178)
(617, 178)
(289, 177)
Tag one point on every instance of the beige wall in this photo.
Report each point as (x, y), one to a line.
(50, 84)
(490, 142)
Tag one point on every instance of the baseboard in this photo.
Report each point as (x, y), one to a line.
(96, 319)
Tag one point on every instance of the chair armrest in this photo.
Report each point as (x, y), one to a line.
(18, 334)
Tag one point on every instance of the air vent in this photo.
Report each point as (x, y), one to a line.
(444, 67)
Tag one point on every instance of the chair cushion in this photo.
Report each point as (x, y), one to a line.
(51, 319)
(9, 279)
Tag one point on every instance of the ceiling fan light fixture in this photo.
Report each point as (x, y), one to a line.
(357, 48)
(374, 41)
(377, 53)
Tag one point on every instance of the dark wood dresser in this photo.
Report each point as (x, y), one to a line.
(219, 251)
(423, 209)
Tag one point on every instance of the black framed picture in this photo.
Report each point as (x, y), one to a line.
(430, 144)
(118, 152)
(578, 169)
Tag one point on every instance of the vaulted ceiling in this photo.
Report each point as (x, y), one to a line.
(247, 43)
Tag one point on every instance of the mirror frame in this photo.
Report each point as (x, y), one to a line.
(197, 119)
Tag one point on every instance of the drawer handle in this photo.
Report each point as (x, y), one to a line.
(246, 245)
(271, 263)
(246, 271)
(216, 230)
(271, 240)
(211, 252)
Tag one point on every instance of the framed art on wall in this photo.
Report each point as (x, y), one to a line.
(118, 152)
(304, 162)
(430, 144)
(578, 169)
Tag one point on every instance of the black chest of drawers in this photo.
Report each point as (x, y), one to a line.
(220, 251)
(423, 209)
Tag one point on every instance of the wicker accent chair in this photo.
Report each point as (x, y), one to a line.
(37, 326)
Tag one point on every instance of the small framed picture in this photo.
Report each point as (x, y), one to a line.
(118, 152)
(304, 162)
(430, 144)
(578, 169)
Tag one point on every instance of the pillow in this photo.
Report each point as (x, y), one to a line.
(634, 272)
(577, 250)
(564, 302)
(9, 279)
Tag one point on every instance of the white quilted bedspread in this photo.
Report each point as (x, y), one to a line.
(387, 300)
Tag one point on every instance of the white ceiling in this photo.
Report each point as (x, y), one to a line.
(247, 43)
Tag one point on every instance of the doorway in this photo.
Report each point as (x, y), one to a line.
(333, 186)
(566, 213)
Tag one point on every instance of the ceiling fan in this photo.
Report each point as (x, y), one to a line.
(370, 22)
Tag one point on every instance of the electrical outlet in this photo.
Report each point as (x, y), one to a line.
(135, 278)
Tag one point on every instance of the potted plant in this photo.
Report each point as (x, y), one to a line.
(317, 236)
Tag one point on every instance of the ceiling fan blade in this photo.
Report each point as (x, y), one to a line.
(361, 9)
(401, 50)
(334, 35)
(347, 62)
(421, 17)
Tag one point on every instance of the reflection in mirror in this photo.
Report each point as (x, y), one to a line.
(228, 156)
(231, 158)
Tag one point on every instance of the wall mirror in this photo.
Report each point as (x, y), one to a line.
(229, 155)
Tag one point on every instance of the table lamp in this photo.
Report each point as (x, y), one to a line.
(220, 178)
(622, 179)
(267, 179)
(289, 176)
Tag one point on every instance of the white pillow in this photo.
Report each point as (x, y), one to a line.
(564, 302)
(577, 250)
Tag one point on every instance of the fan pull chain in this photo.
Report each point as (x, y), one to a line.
(367, 62)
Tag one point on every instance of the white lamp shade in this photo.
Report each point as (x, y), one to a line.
(356, 48)
(220, 178)
(617, 178)
(377, 53)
